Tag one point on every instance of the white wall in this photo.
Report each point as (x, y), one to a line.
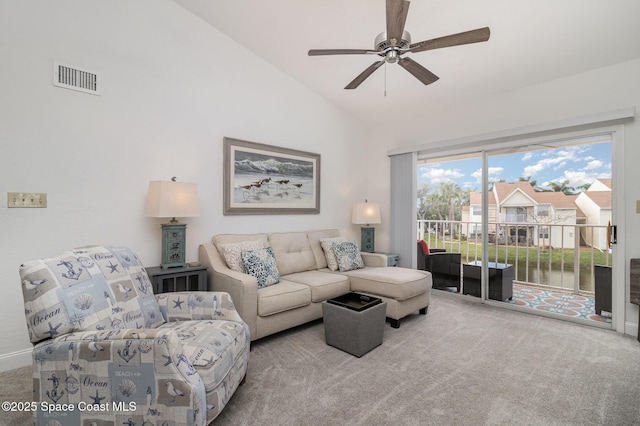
(595, 92)
(172, 88)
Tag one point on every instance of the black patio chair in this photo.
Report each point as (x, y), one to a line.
(444, 266)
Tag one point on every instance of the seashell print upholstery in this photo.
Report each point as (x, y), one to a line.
(118, 354)
(89, 288)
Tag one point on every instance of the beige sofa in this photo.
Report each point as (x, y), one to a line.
(306, 282)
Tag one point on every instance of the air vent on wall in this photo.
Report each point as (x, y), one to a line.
(76, 78)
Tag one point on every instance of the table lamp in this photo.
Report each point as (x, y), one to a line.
(171, 199)
(366, 214)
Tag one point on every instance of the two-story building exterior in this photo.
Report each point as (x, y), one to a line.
(519, 213)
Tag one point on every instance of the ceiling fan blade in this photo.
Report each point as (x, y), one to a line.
(418, 71)
(319, 52)
(397, 11)
(467, 37)
(363, 76)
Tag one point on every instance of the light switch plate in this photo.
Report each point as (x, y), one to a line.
(26, 199)
(637, 206)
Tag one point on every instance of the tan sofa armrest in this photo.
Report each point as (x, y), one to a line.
(374, 259)
(242, 288)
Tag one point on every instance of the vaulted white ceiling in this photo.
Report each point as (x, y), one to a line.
(532, 41)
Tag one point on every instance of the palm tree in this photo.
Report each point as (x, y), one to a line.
(562, 187)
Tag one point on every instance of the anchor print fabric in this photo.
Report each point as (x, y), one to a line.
(89, 288)
(104, 355)
(138, 375)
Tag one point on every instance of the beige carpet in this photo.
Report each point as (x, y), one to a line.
(462, 364)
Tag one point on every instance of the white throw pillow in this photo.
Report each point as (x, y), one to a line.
(232, 253)
(329, 254)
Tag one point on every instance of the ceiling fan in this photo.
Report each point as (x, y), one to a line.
(394, 43)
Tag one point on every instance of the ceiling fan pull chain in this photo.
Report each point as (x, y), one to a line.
(385, 79)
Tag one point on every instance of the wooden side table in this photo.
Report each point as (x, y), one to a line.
(187, 278)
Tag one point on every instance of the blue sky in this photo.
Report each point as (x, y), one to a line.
(578, 164)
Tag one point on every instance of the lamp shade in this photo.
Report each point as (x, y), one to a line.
(172, 199)
(365, 214)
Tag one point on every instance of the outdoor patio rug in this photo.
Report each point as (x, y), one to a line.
(557, 302)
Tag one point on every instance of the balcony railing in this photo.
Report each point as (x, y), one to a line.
(553, 256)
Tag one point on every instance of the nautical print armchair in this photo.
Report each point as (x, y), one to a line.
(107, 351)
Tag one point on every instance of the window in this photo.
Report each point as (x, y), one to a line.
(543, 232)
(543, 211)
(516, 214)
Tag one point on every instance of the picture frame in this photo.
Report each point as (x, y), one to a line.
(263, 179)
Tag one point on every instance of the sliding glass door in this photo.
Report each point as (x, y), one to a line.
(525, 226)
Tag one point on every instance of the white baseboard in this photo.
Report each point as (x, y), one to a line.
(15, 360)
(631, 328)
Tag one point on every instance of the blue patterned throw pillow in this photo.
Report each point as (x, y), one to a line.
(348, 256)
(261, 264)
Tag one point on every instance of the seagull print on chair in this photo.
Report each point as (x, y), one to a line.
(95, 347)
(123, 289)
(33, 285)
(173, 391)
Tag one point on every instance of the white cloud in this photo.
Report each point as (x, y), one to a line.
(558, 161)
(436, 176)
(494, 172)
(577, 178)
(594, 164)
(527, 156)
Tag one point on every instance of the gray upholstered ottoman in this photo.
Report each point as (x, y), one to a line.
(354, 323)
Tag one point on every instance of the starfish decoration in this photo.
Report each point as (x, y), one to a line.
(178, 303)
(114, 268)
(53, 330)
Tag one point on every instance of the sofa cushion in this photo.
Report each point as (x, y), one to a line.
(329, 253)
(348, 256)
(236, 238)
(262, 265)
(323, 285)
(282, 297)
(394, 283)
(81, 289)
(293, 252)
(232, 253)
(314, 241)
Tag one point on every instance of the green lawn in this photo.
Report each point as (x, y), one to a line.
(471, 251)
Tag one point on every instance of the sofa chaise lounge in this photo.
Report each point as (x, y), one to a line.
(306, 281)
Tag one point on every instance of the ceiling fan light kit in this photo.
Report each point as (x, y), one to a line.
(395, 42)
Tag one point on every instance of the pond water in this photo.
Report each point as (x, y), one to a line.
(553, 277)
